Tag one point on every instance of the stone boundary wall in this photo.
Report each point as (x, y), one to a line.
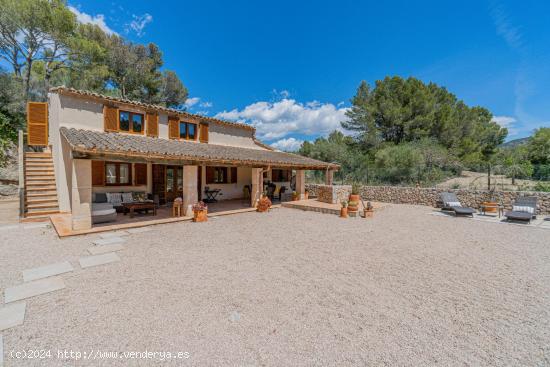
(431, 196)
(332, 194)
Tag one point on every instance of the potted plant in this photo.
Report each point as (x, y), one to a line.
(294, 196)
(369, 210)
(200, 211)
(263, 204)
(306, 194)
(344, 209)
(354, 198)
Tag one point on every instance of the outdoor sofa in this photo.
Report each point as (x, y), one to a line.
(524, 209)
(451, 203)
(106, 205)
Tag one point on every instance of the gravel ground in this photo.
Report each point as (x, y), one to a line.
(293, 288)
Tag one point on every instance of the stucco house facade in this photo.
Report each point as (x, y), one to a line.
(102, 144)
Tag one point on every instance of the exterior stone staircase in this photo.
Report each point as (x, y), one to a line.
(40, 189)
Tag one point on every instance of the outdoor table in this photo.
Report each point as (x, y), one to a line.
(139, 205)
(498, 207)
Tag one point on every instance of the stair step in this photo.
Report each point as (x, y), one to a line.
(40, 188)
(41, 178)
(38, 154)
(41, 201)
(41, 213)
(35, 170)
(42, 195)
(41, 206)
(38, 185)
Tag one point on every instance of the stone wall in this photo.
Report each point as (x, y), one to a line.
(332, 194)
(431, 196)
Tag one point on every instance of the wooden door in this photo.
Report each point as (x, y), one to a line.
(159, 182)
(174, 182)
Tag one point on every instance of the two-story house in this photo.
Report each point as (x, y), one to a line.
(102, 144)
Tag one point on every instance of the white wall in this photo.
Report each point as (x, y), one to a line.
(229, 191)
(230, 135)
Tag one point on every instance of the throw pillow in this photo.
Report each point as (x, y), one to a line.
(127, 197)
(525, 209)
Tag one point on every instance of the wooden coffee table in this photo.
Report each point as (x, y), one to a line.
(139, 206)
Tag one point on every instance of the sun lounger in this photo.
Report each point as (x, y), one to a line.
(524, 209)
(451, 202)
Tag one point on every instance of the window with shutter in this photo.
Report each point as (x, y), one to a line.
(110, 118)
(98, 173)
(37, 123)
(233, 174)
(173, 127)
(209, 175)
(140, 171)
(152, 124)
(203, 133)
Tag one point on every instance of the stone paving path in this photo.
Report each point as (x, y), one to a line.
(108, 241)
(47, 271)
(113, 234)
(97, 250)
(95, 260)
(12, 315)
(139, 230)
(32, 289)
(45, 279)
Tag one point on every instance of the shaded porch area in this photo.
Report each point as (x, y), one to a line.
(63, 223)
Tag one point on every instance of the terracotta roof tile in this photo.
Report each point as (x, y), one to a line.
(87, 141)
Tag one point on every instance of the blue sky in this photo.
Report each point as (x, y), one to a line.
(291, 67)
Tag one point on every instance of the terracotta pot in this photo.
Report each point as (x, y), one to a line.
(263, 204)
(353, 203)
(343, 212)
(306, 195)
(294, 197)
(368, 213)
(200, 215)
(490, 206)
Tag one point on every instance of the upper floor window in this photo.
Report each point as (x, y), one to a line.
(131, 122)
(188, 131)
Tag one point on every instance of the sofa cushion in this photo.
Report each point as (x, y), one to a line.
(102, 209)
(526, 209)
(139, 196)
(114, 198)
(127, 197)
(100, 197)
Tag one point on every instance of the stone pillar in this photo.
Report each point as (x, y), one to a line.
(81, 198)
(301, 184)
(190, 193)
(256, 192)
(329, 177)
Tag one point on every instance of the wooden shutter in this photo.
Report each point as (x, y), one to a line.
(140, 170)
(209, 175)
(98, 173)
(276, 175)
(173, 128)
(37, 123)
(203, 133)
(233, 175)
(152, 124)
(110, 118)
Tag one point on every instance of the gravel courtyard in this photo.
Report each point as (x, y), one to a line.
(293, 288)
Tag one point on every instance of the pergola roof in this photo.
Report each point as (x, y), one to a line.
(149, 148)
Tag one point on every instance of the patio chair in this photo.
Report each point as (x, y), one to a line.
(451, 203)
(524, 209)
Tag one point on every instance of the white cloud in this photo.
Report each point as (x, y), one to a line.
(139, 23)
(508, 122)
(190, 102)
(288, 145)
(206, 104)
(98, 19)
(287, 116)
